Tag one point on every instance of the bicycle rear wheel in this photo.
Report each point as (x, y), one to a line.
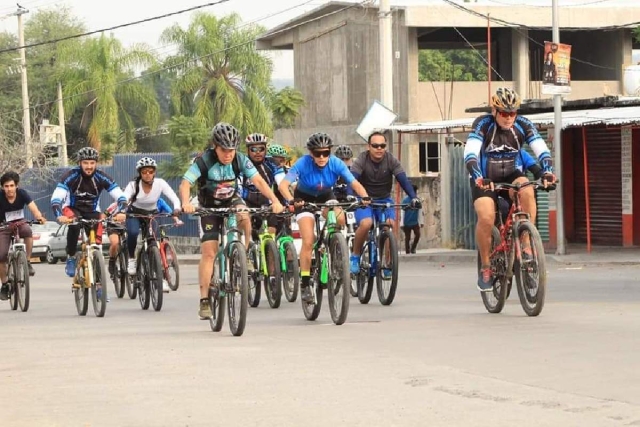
(254, 290)
(494, 301)
(273, 277)
(120, 275)
(81, 294)
(142, 280)
(291, 276)
(216, 301)
(13, 291)
(530, 271)
(172, 273)
(156, 273)
(237, 301)
(99, 284)
(312, 310)
(339, 279)
(386, 287)
(364, 278)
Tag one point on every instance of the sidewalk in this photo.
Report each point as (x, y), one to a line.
(576, 255)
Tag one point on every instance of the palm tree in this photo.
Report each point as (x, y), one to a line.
(221, 75)
(95, 81)
(285, 107)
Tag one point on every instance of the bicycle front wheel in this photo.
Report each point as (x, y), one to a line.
(364, 278)
(338, 290)
(21, 283)
(530, 269)
(98, 284)
(172, 273)
(142, 280)
(156, 273)
(13, 281)
(353, 289)
(254, 291)
(387, 273)
(81, 294)
(237, 302)
(291, 276)
(273, 277)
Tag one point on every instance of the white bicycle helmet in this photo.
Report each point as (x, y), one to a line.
(146, 162)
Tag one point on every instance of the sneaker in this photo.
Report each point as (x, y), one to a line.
(131, 266)
(4, 292)
(165, 286)
(112, 267)
(205, 309)
(485, 280)
(70, 268)
(354, 264)
(306, 295)
(386, 273)
(32, 272)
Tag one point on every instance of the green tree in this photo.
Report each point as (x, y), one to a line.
(221, 75)
(461, 64)
(188, 136)
(636, 33)
(95, 84)
(285, 107)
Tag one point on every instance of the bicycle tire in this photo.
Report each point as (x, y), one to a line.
(11, 275)
(386, 236)
(364, 278)
(339, 284)
(291, 277)
(494, 301)
(531, 304)
(22, 284)
(123, 261)
(156, 273)
(353, 289)
(142, 280)
(171, 257)
(99, 283)
(119, 281)
(254, 290)
(216, 302)
(81, 294)
(272, 279)
(238, 276)
(312, 311)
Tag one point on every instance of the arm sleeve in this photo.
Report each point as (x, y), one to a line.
(168, 191)
(293, 174)
(58, 197)
(246, 167)
(406, 185)
(473, 147)
(26, 196)
(539, 147)
(193, 173)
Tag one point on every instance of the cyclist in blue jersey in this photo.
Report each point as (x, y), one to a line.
(217, 172)
(272, 175)
(494, 152)
(82, 186)
(316, 173)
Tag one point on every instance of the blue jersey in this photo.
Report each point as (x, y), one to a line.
(314, 180)
(83, 192)
(268, 170)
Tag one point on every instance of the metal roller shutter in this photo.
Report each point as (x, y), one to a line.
(542, 200)
(605, 187)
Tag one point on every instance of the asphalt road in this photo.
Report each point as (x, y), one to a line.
(433, 358)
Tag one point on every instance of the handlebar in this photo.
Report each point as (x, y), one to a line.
(18, 223)
(224, 211)
(149, 215)
(518, 186)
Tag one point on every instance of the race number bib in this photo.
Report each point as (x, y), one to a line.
(351, 218)
(14, 215)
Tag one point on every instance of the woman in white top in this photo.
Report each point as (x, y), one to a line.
(143, 194)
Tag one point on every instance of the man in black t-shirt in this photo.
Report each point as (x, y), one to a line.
(12, 203)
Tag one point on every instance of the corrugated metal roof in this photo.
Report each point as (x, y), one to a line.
(601, 116)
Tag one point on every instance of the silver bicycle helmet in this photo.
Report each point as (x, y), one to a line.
(225, 136)
(87, 153)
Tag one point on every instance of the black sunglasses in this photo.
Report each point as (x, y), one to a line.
(378, 146)
(323, 153)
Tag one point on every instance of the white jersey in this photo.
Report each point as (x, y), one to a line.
(149, 201)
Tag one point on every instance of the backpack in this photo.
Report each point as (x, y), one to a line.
(205, 161)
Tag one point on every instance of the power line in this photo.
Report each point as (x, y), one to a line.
(362, 3)
(517, 3)
(154, 18)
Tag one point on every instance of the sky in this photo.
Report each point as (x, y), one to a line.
(106, 13)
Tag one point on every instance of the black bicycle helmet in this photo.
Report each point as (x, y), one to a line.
(343, 152)
(87, 153)
(225, 136)
(319, 140)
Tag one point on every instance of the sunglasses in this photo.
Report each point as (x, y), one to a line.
(507, 114)
(148, 172)
(256, 149)
(378, 146)
(324, 153)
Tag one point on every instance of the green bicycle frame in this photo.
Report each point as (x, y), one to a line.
(264, 238)
(230, 234)
(330, 227)
(283, 256)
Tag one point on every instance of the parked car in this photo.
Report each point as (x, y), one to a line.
(58, 243)
(41, 235)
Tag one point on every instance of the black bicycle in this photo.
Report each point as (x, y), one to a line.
(120, 277)
(17, 268)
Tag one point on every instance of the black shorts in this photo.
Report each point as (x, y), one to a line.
(319, 199)
(477, 192)
(212, 224)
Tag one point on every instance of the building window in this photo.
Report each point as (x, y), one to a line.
(429, 157)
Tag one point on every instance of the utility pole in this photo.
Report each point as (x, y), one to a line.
(26, 114)
(62, 153)
(386, 55)
(557, 143)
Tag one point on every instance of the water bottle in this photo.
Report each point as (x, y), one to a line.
(324, 271)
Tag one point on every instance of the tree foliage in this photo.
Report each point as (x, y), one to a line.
(285, 107)
(457, 65)
(188, 135)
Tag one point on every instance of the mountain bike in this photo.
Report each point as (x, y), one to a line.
(516, 250)
(90, 271)
(18, 268)
(120, 277)
(149, 270)
(169, 258)
(263, 254)
(329, 266)
(229, 281)
(379, 258)
(289, 265)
